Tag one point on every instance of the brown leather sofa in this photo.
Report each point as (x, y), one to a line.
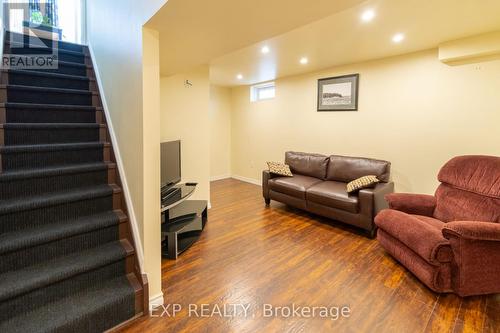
(319, 185)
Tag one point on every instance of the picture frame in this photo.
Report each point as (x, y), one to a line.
(338, 93)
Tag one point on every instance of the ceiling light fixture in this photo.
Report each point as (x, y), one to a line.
(239, 76)
(398, 38)
(264, 50)
(368, 15)
(304, 60)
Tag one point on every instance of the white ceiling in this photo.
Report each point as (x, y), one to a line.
(194, 32)
(229, 34)
(343, 38)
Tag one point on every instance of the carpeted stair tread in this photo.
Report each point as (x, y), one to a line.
(19, 134)
(31, 182)
(50, 147)
(66, 67)
(21, 281)
(72, 64)
(35, 156)
(47, 89)
(17, 46)
(53, 171)
(45, 95)
(50, 113)
(52, 79)
(46, 74)
(66, 63)
(91, 311)
(16, 36)
(53, 199)
(35, 106)
(17, 240)
(53, 126)
(64, 55)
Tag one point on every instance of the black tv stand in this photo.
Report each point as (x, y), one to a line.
(182, 221)
(169, 192)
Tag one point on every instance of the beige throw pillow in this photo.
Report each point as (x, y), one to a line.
(362, 182)
(279, 169)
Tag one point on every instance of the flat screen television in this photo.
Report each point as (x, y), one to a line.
(170, 163)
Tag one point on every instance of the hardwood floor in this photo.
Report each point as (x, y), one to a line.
(255, 255)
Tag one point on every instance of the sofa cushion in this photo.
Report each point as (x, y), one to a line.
(361, 183)
(332, 194)
(312, 165)
(295, 186)
(346, 169)
(279, 169)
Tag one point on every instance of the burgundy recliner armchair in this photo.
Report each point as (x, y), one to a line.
(450, 241)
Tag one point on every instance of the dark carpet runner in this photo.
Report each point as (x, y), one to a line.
(63, 266)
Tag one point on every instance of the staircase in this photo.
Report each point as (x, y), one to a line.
(67, 258)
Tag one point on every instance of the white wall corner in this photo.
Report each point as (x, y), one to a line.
(247, 180)
(121, 169)
(220, 177)
(155, 301)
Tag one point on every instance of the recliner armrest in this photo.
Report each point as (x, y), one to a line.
(417, 204)
(476, 256)
(472, 230)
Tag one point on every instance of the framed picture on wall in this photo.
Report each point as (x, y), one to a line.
(338, 93)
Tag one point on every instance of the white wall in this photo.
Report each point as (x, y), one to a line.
(115, 36)
(220, 132)
(185, 117)
(151, 160)
(413, 111)
(2, 27)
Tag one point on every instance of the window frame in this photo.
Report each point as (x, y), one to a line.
(256, 88)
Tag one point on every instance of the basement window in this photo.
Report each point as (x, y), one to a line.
(54, 19)
(262, 91)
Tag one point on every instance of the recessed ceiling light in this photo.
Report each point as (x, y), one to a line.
(265, 49)
(304, 60)
(239, 76)
(368, 15)
(398, 38)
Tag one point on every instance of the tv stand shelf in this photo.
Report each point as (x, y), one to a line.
(187, 221)
(181, 192)
(182, 221)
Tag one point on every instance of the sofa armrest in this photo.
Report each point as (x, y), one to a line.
(266, 176)
(476, 256)
(417, 204)
(372, 200)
